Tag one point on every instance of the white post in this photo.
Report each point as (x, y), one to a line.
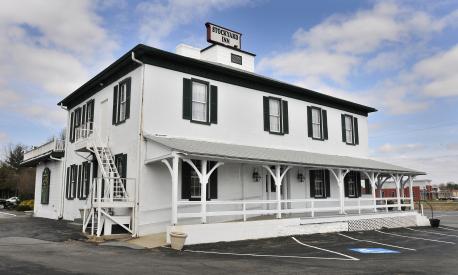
(374, 197)
(99, 218)
(175, 190)
(203, 191)
(359, 206)
(411, 192)
(313, 208)
(398, 194)
(278, 189)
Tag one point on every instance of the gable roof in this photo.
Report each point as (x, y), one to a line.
(210, 70)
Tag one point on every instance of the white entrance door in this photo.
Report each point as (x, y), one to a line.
(104, 121)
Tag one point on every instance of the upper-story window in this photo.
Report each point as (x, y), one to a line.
(275, 115)
(317, 123)
(350, 129)
(121, 101)
(81, 120)
(200, 101)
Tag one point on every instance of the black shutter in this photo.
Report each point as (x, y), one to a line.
(312, 183)
(185, 180)
(343, 129)
(346, 183)
(187, 98)
(115, 104)
(84, 116)
(324, 117)
(355, 123)
(328, 183)
(78, 184)
(67, 186)
(358, 184)
(91, 106)
(124, 166)
(214, 104)
(213, 182)
(72, 124)
(128, 84)
(266, 113)
(285, 117)
(88, 179)
(367, 186)
(74, 179)
(309, 121)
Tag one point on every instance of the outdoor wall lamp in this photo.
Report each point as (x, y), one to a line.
(256, 176)
(300, 177)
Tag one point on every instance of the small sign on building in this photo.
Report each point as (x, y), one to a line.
(219, 35)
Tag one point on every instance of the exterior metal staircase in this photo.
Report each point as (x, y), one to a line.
(108, 202)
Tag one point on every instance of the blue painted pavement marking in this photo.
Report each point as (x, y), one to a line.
(374, 250)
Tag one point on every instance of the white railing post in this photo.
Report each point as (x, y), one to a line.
(313, 208)
(421, 206)
(412, 207)
(244, 211)
(203, 191)
(386, 205)
(359, 206)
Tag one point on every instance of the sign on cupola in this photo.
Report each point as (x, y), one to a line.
(219, 35)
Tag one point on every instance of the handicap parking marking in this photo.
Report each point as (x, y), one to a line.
(412, 237)
(327, 250)
(374, 250)
(429, 232)
(368, 241)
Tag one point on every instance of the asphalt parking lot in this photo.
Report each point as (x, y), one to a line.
(40, 246)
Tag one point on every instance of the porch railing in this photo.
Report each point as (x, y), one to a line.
(301, 206)
(55, 145)
(113, 190)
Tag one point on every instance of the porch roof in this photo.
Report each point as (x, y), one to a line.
(265, 155)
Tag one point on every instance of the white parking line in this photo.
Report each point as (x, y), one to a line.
(431, 232)
(8, 214)
(330, 251)
(267, 255)
(410, 237)
(446, 228)
(367, 241)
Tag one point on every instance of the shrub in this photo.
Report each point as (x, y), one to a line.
(25, 205)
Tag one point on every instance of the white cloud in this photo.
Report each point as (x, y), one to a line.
(3, 137)
(384, 61)
(160, 18)
(389, 148)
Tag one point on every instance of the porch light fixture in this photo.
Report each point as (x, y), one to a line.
(256, 176)
(300, 177)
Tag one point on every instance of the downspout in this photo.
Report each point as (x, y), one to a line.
(139, 148)
(64, 171)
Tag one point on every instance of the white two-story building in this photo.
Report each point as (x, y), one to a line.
(191, 140)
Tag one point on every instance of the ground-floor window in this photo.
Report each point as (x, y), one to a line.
(320, 184)
(45, 182)
(72, 173)
(352, 184)
(191, 187)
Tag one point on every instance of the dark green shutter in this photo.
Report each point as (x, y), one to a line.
(327, 180)
(72, 130)
(214, 104)
(74, 179)
(309, 121)
(346, 183)
(84, 116)
(88, 179)
(67, 186)
(312, 183)
(343, 129)
(266, 113)
(367, 186)
(355, 123)
(185, 180)
(124, 166)
(115, 104)
(187, 98)
(128, 84)
(213, 182)
(285, 117)
(358, 184)
(324, 117)
(78, 182)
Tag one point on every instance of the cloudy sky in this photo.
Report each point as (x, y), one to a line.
(400, 57)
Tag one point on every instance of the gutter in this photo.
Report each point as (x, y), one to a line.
(139, 146)
(64, 171)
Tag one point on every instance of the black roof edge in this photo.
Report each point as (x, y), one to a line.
(154, 56)
(226, 46)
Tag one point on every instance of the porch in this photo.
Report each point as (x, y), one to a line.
(279, 176)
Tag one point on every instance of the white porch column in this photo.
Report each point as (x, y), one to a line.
(173, 169)
(411, 192)
(397, 179)
(203, 191)
(278, 178)
(339, 176)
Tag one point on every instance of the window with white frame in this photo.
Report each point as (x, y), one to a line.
(348, 129)
(351, 187)
(199, 101)
(319, 184)
(122, 102)
(316, 123)
(195, 185)
(275, 115)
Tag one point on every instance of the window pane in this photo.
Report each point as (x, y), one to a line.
(316, 131)
(199, 92)
(274, 123)
(316, 116)
(195, 185)
(274, 107)
(199, 101)
(199, 111)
